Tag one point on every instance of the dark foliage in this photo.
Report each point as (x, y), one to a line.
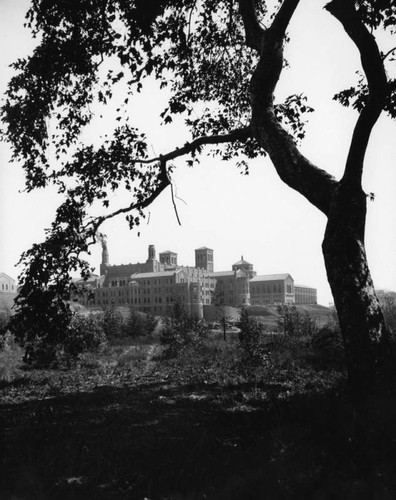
(294, 322)
(253, 350)
(113, 322)
(139, 324)
(180, 331)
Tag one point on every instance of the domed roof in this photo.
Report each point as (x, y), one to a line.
(242, 262)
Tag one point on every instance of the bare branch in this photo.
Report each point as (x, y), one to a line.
(372, 63)
(254, 32)
(236, 135)
(388, 53)
(174, 205)
(164, 180)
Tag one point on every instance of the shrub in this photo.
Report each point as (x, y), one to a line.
(328, 345)
(140, 324)
(39, 325)
(4, 320)
(293, 322)
(10, 357)
(253, 351)
(85, 334)
(180, 331)
(113, 322)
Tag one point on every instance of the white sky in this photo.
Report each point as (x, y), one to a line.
(258, 216)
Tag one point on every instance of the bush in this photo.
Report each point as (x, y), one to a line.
(328, 344)
(85, 334)
(140, 324)
(181, 331)
(10, 357)
(293, 322)
(253, 351)
(113, 322)
(4, 320)
(39, 325)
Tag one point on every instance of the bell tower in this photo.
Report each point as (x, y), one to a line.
(204, 259)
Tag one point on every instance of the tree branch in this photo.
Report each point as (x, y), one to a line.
(240, 134)
(254, 32)
(372, 62)
(164, 180)
(292, 167)
(388, 53)
(283, 17)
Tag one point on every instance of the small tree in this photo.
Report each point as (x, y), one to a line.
(113, 322)
(85, 334)
(181, 330)
(293, 322)
(139, 324)
(250, 344)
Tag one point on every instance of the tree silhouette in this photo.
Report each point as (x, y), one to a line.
(225, 56)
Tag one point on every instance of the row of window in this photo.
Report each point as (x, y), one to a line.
(268, 288)
(5, 287)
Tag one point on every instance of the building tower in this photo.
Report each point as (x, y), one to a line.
(105, 255)
(242, 296)
(152, 265)
(204, 259)
(242, 265)
(196, 303)
(151, 252)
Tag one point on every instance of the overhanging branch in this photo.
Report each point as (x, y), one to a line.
(163, 178)
(236, 135)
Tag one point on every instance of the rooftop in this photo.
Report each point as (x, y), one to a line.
(270, 277)
(303, 286)
(242, 262)
(159, 274)
(223, 273)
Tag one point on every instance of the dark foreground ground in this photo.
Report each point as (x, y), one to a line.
(157, 435)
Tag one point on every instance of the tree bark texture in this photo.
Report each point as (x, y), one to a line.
(369, 358)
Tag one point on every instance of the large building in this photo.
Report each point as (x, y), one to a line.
(155, 285)
(8, 291)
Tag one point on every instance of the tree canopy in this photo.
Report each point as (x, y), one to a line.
(221, 57)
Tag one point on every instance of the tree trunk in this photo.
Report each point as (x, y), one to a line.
(369, 358)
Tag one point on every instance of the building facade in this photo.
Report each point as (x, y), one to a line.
(156, 285)
(305, 294)
(272, 289)
(7, 284)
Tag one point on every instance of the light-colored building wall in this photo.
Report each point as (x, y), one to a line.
(7, 284)
(272, 289)
(305, 294)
